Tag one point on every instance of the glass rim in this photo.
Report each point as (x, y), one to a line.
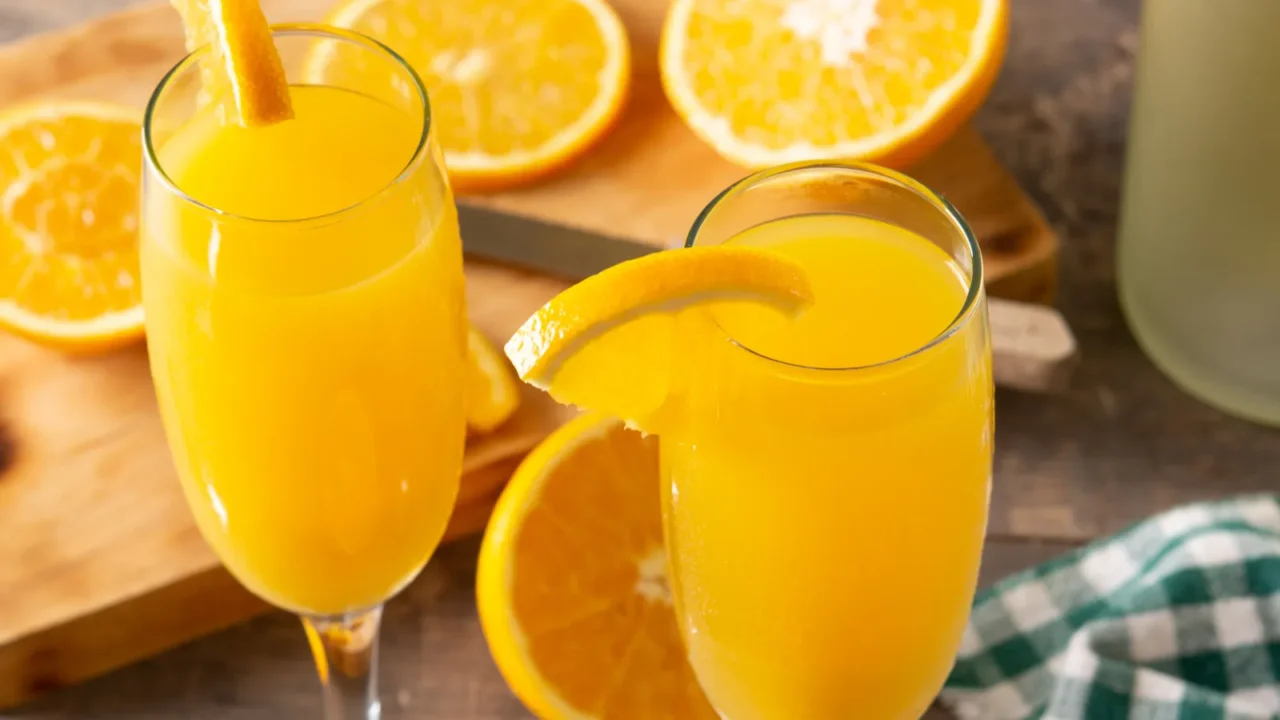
(293, 28)
(939, 203)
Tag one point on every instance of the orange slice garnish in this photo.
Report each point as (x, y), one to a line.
(604, 343)
(242, 71)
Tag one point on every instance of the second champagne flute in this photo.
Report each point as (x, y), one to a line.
(826, 477)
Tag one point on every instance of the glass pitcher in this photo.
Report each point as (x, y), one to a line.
(1199, 257)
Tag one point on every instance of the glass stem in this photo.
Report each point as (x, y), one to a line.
(345, 648)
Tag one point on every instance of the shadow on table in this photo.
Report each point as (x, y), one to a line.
(435, 664)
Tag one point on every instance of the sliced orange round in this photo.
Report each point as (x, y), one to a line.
(887, 81)
(605, 343)
(492, 392)
(242, 70)
(69, 224)
(571, 584)
(518, 88)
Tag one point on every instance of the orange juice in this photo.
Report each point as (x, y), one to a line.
(309, 361)
(824, 526)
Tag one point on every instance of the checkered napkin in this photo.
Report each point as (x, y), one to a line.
(1176, 618)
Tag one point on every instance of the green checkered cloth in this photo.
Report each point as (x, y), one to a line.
(1176, 618)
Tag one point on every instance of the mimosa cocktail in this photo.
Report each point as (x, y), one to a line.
(304, 297)
(309, 373)
(826, 479)
(817, 366)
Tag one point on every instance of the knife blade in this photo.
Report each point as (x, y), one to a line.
(1033, 348)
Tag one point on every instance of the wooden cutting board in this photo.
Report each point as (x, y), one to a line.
(99, 562)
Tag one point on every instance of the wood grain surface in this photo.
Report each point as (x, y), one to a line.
(1121, 443)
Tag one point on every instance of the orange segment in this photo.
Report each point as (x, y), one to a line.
(492, 392)
(572, 587)
(518, 87)
(242, 69)
(69, 224)
(768, 82)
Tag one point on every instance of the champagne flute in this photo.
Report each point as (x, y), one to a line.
(305, 318)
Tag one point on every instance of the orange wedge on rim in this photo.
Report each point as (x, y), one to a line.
(571, 584)
(605, 344)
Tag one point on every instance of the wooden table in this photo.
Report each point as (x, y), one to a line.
(1121, 444)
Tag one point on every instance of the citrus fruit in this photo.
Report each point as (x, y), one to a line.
(767, 82)
(518, 87)
(242, 69)
(605, 343)
(69, 224)
(571, 583)
(492, 392)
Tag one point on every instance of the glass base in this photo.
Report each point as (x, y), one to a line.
(345, 648)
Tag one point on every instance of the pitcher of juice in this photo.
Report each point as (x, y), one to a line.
(1199, 256)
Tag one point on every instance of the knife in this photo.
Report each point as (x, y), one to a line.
(1033, 349)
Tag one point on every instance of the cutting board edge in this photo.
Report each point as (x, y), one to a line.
(56, 656)
(124, 596)
(1037, 278)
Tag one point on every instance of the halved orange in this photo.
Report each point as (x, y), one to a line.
(605, 343)
(242, 70)
(518, 88)
(887, 81)
(571, 584)
(69, 224)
